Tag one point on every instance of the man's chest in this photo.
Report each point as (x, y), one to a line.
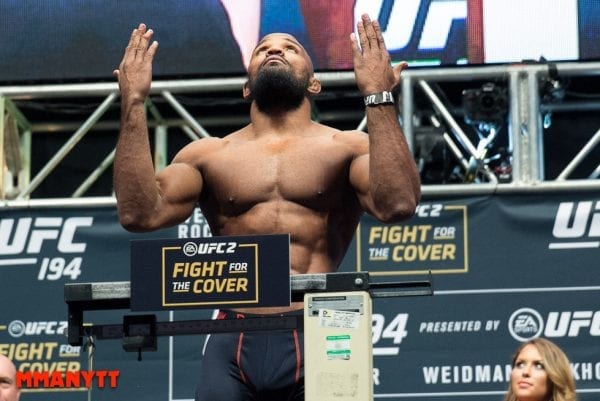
(293, 172)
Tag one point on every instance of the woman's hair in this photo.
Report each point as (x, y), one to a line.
(556, 364)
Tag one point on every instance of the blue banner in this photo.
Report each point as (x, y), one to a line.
(505, 268)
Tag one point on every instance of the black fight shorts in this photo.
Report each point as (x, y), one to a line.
(253, 366)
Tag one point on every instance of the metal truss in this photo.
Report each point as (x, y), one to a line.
(525, 115)
(420, 98)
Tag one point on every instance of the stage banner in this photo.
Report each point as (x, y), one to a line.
(505, 268)
(40, 251)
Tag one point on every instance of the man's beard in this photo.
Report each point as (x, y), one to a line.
(277, 90)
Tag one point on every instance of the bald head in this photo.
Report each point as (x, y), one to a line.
(8, 380)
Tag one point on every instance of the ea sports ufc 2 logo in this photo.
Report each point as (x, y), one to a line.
(577, 225)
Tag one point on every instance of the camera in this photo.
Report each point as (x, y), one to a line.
(488, 104)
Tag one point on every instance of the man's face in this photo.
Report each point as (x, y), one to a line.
(279, 74)
(8, 385)
(280, 50)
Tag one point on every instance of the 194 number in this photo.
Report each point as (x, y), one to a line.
(55, 268)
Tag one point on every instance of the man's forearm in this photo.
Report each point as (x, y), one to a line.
(134, 175)
(393, 176)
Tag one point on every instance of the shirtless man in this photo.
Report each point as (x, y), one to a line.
(9, 391)
(281, 174)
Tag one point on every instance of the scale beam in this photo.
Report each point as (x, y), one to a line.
(81, 297)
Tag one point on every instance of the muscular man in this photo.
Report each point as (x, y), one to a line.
(8, 380)
(282, 173)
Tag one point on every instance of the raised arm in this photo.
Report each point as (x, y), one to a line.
(386, 179)
(146, 201)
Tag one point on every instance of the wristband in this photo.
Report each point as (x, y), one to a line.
(376, 99)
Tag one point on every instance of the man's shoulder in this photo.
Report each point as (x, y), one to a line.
(239, 135)
(201, 147)
(335, 133)
(350, 136)
(206, 143)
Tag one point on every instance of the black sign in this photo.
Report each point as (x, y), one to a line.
(215, 272)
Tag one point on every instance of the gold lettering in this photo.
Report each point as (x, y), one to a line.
(220, 285)
(434, 252)
(449, 252)
(198, 269)
(209, 269)
(220, 265)
(375, 233)
(399, 234)
(242, 285)
(177, 269)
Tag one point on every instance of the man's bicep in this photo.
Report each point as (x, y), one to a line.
(359, 179)
(180, 185)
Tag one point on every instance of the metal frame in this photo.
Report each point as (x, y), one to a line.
(15, 149)
(525, 127)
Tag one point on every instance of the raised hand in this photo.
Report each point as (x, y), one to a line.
(135, 71)
(372, 63)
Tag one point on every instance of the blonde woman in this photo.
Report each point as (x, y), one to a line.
(541, 372)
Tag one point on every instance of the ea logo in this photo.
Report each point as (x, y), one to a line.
(525, 324)
(16, 328)
(190, 249)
